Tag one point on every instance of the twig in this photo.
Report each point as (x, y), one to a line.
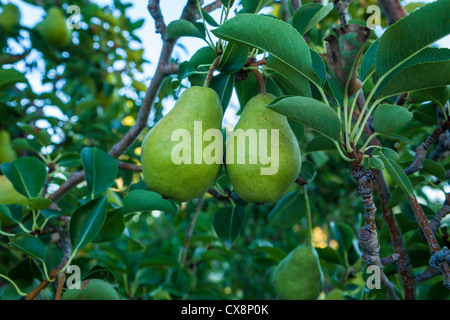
(213, 6)
(422, 220)
(436, 221)
(421, 151)
(342, 9)
(392, 9)
(190, 230)
(129, 166)
(296, 4)
(60, 278)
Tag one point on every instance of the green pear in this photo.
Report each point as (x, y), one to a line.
(9, 195)
(176, 161)
(7, 153)
(92, 289)
(10, 17)
(335, 294)
(299, 275)
(253, 180)
(54, 28)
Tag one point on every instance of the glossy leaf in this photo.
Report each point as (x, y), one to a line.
(27, 175)
(312, 113)
(264, 34)
(223, 84)
(320, 143)
(233, 58)
(308, 15)
(343, 234)
(184, 28)
(87, 221)
(143, 200)
(368, 61)
(387, 117)
(288, 211)
(100, 169)
(228, 223)
(112, 228)
(30, 245)
(11, 76)
(410, 35)
(396, 172)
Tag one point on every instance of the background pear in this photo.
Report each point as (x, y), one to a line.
(299, 275)
(182, 182)
(9, 17)
(92, 289)
(9, 195)
(54, 28)
(247, 179)
(7, 153)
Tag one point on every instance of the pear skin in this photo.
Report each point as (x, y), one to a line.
(299, 275)
(54, 28)
(9, 195)
(92, 289)
(247, 179)
(10, 17)
(7, 153)
(183, 181)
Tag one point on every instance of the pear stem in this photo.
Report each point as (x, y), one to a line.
(259, 77)
(211, 71)
(308, 216)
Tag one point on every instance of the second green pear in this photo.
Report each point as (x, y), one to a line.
(54, 28)
(183, 181)
(299, 275)
(7, 153)
(247, 179)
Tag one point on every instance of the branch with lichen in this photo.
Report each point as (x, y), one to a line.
(368, 237)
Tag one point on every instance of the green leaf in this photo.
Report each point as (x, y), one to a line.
(417, 77)
(318, 66)
(30, 245)
(254, 6)
(41, 135)
(210, 20)
(438, 95)
(13, 212)
(387, 117)
(308, 15)
(288, 211)
(410, 35)
(343, 234)
(312, 113)
(100, 169)
(368, 61)
(290, 81)
(246, 89)
(233, 58)
(397, 197)
(112, 228)
(185, 70)
(320, 143)
(39, 203)
(376, 163)
(10, 76)
(27, 175)
(264, 34)
(143, 200)
(397, 173)
(228, 223)
(87, 221)
(434, 168)
(184, 28)
(223, 84)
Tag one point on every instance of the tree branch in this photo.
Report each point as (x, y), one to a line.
(392, 9)
(404, 265)
(421, 151)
